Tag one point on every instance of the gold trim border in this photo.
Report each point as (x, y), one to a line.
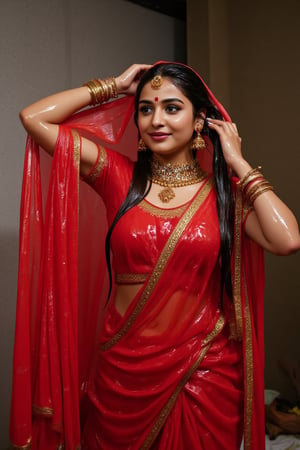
(161, 212)
(160, 264)
(243, 326)
(131, 278)
(42, 410)
(76, 146)
(237, 270)
(249, 371)
(76, 155)
(171, 402)
(91, 177)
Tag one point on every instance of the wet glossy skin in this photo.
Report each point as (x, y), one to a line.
(166, 121)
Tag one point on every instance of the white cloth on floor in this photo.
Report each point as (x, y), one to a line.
(283, 442)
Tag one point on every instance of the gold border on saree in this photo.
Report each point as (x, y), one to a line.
(42, 410)
(243, 330)
(237, 270)
(249, 371)
(76, 153)
(130, 278)
(161, 264)
(160, 212)
(99, 166)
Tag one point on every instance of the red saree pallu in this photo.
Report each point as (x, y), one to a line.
(61, 284)
(46, 327)
(176, 371)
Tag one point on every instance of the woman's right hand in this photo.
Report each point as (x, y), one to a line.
(41, 119)
(127, 82)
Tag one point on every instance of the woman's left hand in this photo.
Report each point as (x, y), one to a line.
(271, 224)
(230, 141)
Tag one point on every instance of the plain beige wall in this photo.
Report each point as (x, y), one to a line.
(45, 46)
(248, 52)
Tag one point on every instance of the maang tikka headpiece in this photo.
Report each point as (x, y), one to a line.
(156, 82)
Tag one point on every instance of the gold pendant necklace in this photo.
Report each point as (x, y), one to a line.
(166, 194)
(175, 175)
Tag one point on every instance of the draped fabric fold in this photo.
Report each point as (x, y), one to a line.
(172, 336)
(248, 284)
(31, 226)
(48, 293)
(56, 267)
(60, 324)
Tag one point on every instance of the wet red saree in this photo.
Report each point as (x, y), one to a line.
(172, 334)
(173, 380)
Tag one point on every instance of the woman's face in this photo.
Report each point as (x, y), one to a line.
(166, 121)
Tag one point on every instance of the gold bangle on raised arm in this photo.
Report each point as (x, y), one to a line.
(102, 90)
(260, 190)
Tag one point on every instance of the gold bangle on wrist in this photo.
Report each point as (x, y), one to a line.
(95, 89)
(105, 90)
(253, 184)
(102, 90)
(260, 190)
(250, 176)
(91, 87)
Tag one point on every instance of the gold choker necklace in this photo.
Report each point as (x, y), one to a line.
(175, 175)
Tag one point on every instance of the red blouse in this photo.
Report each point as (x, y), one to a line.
(140, 235)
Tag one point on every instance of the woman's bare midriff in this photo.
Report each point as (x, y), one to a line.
(125, 293)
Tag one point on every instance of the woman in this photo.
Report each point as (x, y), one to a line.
(178, 361)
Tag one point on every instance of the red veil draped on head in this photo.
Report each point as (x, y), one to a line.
(62, 286)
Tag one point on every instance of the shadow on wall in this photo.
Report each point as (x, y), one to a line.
(8, 269)
(180, 42)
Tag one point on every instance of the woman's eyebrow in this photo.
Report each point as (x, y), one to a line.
(166, 100)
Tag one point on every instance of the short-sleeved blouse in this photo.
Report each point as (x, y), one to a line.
(140, 235)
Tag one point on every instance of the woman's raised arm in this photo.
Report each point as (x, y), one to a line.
(41, 119)
(271, 224)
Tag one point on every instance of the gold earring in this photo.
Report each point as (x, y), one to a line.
(198, 142)
(142, 146)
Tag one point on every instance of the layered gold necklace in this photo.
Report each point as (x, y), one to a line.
(175, 175)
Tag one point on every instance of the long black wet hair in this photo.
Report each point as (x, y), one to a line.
(191, 86)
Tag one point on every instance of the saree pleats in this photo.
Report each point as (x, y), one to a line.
(194, 418)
